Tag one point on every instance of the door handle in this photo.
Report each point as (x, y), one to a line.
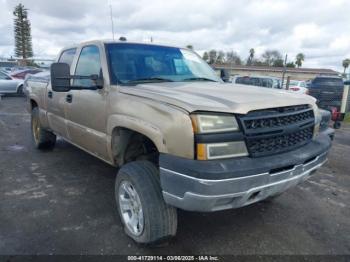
(49, 94)
(69, 98)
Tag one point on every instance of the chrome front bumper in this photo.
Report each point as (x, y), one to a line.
(196, 194)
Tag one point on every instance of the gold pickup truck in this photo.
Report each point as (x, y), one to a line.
(178, 135)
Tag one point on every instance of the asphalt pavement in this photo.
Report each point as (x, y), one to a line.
(62, 202)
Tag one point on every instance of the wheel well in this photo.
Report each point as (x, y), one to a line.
(129, 145)
(33, 104)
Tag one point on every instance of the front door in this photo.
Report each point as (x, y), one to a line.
(86, 110)
(7, 85)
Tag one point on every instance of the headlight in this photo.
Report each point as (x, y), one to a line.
(221, 150)
(213, 123)
(205, 125)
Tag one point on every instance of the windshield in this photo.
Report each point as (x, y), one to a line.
(136, 63)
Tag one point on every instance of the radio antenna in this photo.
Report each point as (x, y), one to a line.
(112, 23)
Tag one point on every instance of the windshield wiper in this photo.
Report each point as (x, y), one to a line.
(199, 79)
(150, 79)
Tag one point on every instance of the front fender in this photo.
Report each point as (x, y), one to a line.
(147, 129)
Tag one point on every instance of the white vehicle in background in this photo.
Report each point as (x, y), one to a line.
(43, 77)
(262, 81)
(9, 85)
(297, 87)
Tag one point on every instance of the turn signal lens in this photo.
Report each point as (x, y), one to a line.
(202, 152)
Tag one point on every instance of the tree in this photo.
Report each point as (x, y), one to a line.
(251, 56)
(212, 56)
(220, 59)
(299, 59)
(278, 63)
(205, 56)
(23, 38)
(190, 47)
(272, 58)
(290, 64)
(346, 64)
(233, 58)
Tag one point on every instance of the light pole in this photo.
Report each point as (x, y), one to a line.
(284, 69)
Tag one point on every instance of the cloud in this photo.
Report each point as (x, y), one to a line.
(319, 29)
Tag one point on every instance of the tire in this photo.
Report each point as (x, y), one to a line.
(42, 138)
(337, 125)
(20, 90)
(159, 220)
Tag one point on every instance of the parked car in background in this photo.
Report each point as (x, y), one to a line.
(263, 81)
(22, 74)
(328, 90)
(21, 68)
(6, 69)
(10, 85)
(42, 77)
(297, 86)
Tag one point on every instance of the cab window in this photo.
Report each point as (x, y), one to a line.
(67, 56)
(88, 64)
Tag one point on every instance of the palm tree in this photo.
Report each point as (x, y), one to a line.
(299, 59)
(251, 56)
(251, 53)
(346, 63)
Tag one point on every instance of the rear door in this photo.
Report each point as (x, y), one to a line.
(56, 101)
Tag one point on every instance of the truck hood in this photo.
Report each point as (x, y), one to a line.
(217, 97)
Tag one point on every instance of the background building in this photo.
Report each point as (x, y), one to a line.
(294, 73)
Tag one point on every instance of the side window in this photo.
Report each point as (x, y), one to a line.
(265, 82)
(2, 76)
(67, 56)
(180, 67)
(269, 83)
(88, 64)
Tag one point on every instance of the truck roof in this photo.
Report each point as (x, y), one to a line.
(110, 41)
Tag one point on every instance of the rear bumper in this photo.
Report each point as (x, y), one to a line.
(232, 183)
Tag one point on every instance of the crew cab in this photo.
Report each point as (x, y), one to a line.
(178, 136)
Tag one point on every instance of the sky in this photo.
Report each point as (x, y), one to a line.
(320, 29)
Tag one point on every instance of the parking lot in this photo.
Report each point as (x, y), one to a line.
(62, 202)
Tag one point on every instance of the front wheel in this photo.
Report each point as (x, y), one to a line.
(146, 217)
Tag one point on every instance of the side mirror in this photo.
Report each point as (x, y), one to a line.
(98, 80)
(60, 77)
